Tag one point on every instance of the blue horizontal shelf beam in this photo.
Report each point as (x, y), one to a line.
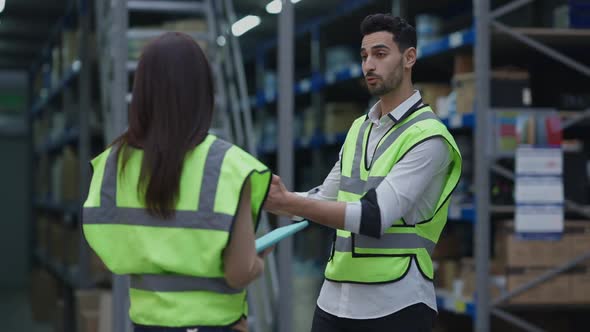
(315, 84)
(319, 81)
(462, 213)
(69, 76)
(343, 9)
(459, 121)
(450, 42)
(320, 140)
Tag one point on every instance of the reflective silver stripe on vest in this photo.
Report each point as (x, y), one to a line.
(139, 217)
(389, 140)
(355, 184)
(211, 174)
(178, 283)
(108, 190)
(204, 218)
(387, 241)
(358, 151)
(359, 186)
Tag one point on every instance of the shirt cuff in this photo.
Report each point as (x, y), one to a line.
(352, 217)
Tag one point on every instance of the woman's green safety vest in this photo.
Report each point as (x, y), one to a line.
(363, 259)
(176, 265)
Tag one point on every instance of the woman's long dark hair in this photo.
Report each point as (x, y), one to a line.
(170, 113)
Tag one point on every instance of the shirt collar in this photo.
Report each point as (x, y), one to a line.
(395, 114)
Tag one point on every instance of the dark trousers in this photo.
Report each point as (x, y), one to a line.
(415, 318)
(138, 328)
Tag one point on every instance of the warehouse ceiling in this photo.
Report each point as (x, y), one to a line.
(25, 25)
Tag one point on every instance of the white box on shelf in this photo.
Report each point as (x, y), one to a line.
(539, 219)
(539, 189)
(539, 161)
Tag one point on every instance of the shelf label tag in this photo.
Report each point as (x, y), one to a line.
(456, 39)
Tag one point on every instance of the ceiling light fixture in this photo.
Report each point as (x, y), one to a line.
(275, 6)
(244, 24)
(2, 3)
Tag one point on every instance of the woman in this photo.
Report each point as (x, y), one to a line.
(175, 207)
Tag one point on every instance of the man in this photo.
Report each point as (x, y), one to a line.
(387, 196)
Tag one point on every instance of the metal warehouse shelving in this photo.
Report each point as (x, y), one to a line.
(487, 37)
(70, 93)
(486, 22)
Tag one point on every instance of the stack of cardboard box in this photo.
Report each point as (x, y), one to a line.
(524, 260)
(508, 88)
(339, 116)
(43, 295)
(93, 311)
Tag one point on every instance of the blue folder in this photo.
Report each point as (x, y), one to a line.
(278, 234)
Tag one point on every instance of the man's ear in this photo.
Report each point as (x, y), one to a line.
(409, 55)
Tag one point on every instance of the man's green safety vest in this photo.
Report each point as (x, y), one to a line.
(363, 259)
(176, 265)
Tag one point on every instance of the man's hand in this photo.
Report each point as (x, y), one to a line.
(278, 197)
(282, 202)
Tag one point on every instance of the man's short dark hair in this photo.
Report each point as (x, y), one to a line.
(404, 35)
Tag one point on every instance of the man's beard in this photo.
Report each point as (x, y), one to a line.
(387, 85)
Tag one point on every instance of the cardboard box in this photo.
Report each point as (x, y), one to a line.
(43, 292)
(72, 242)
(580, 285)
(432, 91)
(467, 275)
(446, 273)
(87, 307)
(94, 310)
(88, 321)
(88, 299)
(579, 239)
(463, 63)
(70, 176)
(515, 252)
(557, 290)
(508, 89)
(59, 319)
(339, 116)
(105, 312)
(42, 239)
(56, 242)
(448, 246)
(534, 253)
